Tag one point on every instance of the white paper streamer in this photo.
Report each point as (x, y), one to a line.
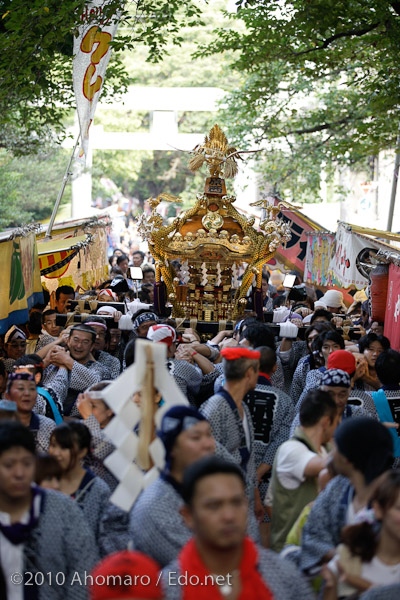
(204, 279)
(218, 279)
(118, 396)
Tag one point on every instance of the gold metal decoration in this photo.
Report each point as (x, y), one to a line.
(212, 220)
(219, 249)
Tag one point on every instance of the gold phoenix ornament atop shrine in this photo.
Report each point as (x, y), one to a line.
(219, 249)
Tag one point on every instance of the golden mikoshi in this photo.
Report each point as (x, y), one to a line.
(213, 241)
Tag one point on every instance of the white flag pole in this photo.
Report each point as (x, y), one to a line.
(66, 177)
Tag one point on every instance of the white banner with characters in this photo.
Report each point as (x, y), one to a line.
(351, 252)
(92, 52)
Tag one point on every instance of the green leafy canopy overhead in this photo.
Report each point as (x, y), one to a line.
(36, 48)
(320, 84)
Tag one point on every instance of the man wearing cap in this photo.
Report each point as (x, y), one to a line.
(14, 345)
(142, 321)
(78, 366)
(363, 450)
(107, 295)
(116, 344)
(298, 462)
(111, 365)
(230, 418)
(156, 526)
(188, 377)
(338, 380)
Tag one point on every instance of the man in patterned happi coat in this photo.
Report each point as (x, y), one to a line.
(187, 377)
(156, 525)
(79, 367)
(230, 418)
(43, 534)
(220, 560)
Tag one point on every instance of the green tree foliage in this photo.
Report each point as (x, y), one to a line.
(36, 50)
(320, 85)
(29, 186)
(140, 174)
(136, 174)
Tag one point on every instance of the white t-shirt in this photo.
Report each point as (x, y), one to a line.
(293, 457)
(354, 517)
(377, 572)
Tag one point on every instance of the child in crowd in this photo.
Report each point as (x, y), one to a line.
(369, 555)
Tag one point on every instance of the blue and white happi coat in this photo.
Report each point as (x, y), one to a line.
(61, 543)
(280, 576)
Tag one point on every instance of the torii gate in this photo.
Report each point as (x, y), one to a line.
(163, 104)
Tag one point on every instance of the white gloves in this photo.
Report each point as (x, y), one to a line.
(280, 314)
(288, 330)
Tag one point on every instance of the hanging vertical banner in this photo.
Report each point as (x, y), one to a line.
(92, 52)
(318, 257)
(392, 314)
(350, 252)
(20, 273)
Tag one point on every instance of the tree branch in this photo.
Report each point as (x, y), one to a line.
(337, 36)
(322, 127)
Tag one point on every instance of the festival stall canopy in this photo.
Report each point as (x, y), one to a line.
(76, 255)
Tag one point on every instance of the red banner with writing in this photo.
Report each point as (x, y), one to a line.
(392, 315)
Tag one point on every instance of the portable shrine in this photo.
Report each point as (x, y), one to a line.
(220, 250)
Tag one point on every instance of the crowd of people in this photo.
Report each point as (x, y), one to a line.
(281, 476)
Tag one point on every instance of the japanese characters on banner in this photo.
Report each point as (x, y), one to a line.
(92, 52)
(318, 258)
(22, 289)
(351, 249)
(392, 315)
(292, 254)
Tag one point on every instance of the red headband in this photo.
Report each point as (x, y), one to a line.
(110, 293)
(239, 352)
